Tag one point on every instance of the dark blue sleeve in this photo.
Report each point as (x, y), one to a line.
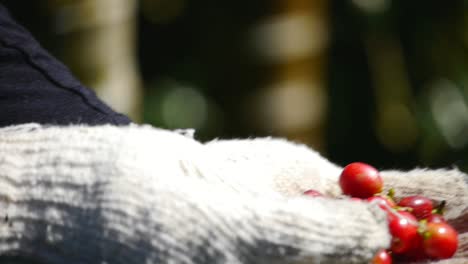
(36, 87)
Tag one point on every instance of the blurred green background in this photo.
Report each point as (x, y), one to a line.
(380, 81)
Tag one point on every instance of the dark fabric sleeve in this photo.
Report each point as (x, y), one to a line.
(36, 87)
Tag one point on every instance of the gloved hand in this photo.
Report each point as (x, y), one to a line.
(290, 169)
(137, 194)
(439, 185)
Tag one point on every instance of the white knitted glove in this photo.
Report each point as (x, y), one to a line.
(439, 185)
(138, 194)
(142, 195)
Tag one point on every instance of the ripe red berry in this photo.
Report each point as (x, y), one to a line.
(383, 202)
(360, 180)
(415, 252)
(440, 240)
(404, 230)
(382, 257)
(313, 193)
(421, 207)
(435, 218)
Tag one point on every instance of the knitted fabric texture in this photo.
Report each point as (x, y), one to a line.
(137, 194)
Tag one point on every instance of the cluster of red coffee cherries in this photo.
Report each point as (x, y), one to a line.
(418, 228)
